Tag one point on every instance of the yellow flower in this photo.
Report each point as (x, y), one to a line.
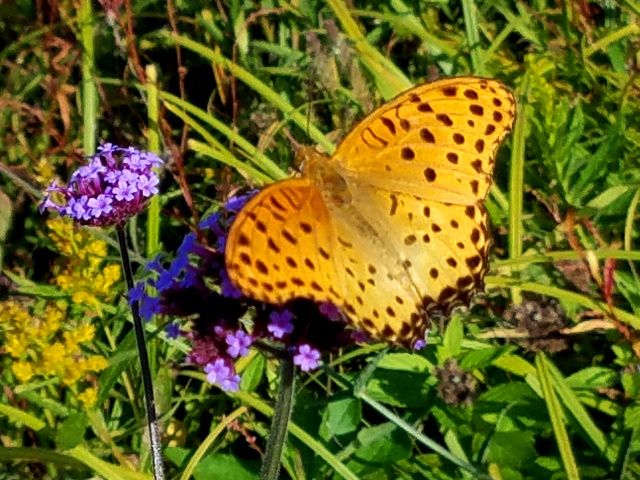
(88, 397)
(85, 298)
(22, 370)
(71, 371)
(81, 334)
(53, 357)
(95, 363)
(16, 345)
(44, 171)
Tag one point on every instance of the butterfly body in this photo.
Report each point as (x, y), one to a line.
(392, 225)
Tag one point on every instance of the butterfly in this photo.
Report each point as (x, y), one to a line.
(391, 227)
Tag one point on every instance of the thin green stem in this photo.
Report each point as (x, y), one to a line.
(147, 383)
(516, 181)
(89, 92)
(280, 421)
(153, 116)
(470, 14)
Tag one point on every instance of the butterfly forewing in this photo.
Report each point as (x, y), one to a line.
(280, 245)
(437, 141)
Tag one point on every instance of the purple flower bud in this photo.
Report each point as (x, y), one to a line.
(329, 310)
(227, 288)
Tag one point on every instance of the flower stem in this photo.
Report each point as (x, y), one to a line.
(152, 418)
(280, 421)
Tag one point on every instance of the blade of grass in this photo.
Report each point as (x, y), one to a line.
(226, 157)
(253, 154)
(472, 34)
(516, 180)
(405, 20)
(557, 418)
(389, 79)
(202, 449)
(88, 68)
(577, 410)
(153, 145)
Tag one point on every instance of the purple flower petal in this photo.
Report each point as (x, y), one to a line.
(173, 330)
(238, 343)
(220, 373)
(280, 323)
(307, 358)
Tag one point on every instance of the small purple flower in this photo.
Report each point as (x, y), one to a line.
(221, 374)
(124, 190)
(235, 204)
(419, 344)
(307, 358)
(280, 323)
(359, 336)
(165, 280)
(211, 222)
(330, 310)
(149, 306)
(227, 288)
(148, 185)
(100, 205)
(238, 343)
(231, 383)
(155, 265)
(173, 330)
(137, 292)
(115, 185)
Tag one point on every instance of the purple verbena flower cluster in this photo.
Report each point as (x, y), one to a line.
(115, 185)
(196, 285)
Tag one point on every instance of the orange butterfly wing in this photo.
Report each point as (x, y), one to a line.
(392, 225)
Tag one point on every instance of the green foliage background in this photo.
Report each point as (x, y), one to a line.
(222, 89)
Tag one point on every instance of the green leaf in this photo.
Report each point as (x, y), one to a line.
(118, 363)
(252, 375)
(6, 211)
(215, 465)
(509, 392)
(592, 378)
(71, 432)
(406, 362)
(607, 197)
(340, 417)
(511, 448)
(481, 358)
(452, 340)
(401, 379)
(382, 444)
